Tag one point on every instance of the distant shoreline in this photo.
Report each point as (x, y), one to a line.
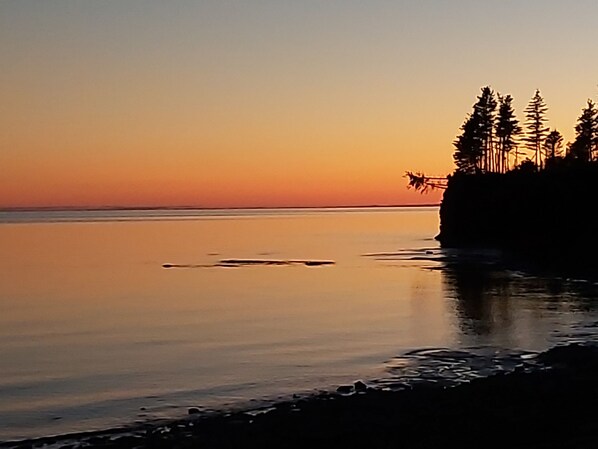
(184, 208)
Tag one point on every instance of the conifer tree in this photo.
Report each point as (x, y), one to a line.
(535, 119)
(469, 148)
(485, 109)
(474, 146)
(507, 130)
(586, 139)
(553, 145)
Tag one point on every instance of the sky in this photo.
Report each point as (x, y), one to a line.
(257, 103)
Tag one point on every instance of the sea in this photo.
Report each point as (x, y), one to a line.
(117, 318)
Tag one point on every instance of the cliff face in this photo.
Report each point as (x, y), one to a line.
(528, 211)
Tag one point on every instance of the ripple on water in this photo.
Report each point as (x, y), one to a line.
(450, 367)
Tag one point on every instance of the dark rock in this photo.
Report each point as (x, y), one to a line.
(317, 263)
(360, 386)
(489, 210)
(193, 411)
(345, 389)
(127, 441)
(571, 356)
(24, 446)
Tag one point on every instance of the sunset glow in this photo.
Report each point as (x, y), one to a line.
(265, 103)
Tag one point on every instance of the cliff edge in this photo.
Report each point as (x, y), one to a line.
(547, 211)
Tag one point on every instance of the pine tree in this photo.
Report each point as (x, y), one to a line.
(507, 130)
(586, 130)
(469, 148)
(535, 119)
(474, 146)
(485, 110)
(553, 145)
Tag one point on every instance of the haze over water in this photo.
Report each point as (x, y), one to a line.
(95, 333)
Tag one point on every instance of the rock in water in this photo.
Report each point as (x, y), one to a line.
(345, 389)
(360, 386)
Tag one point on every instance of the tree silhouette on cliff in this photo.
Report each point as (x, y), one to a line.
(507, 130)
(535, 119)
(474, 146)
(584, 146)
(553, 145)
(469, 149)
(485, 108)
(490, 134)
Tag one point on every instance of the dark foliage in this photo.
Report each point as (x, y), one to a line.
(586, 130)
(423, 183)
(553, 146)
(507, 130)
(473, 147)
(536, 130)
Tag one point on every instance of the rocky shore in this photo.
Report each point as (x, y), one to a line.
(541, 220)
(553, 406)
(521, 209)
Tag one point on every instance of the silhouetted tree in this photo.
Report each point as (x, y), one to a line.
(422, 183)
(485, 109)
(586, 138)
(553, 145)
(469, 147)
(507, 130)
(489, 137)
(527, 166)
(474, 146)
(535, 118)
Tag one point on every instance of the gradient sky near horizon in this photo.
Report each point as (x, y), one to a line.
(266, 102)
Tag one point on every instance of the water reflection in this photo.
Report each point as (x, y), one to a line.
(502, 317)
(492, 300)
(93, 327)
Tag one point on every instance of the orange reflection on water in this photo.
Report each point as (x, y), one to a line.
(92, 299)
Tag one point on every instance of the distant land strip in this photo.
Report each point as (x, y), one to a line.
(182, 208)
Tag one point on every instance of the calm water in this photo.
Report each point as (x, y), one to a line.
(95, 333)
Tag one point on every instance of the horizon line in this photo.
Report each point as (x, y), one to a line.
(141, 208)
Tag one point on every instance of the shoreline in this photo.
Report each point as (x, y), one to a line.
(200, 208)
(549, 406)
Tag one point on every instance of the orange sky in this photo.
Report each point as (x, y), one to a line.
(264, 103)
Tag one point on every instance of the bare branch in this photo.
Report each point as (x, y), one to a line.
(422, 183)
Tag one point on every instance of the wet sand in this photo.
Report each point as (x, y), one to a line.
(551, 407)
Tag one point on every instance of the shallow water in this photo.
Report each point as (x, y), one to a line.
(95, 332)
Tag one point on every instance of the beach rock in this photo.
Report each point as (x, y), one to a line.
(193, 411)
(27, 445)
(360, 386)
(345, 389)
(127, 441)
(573, 356)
